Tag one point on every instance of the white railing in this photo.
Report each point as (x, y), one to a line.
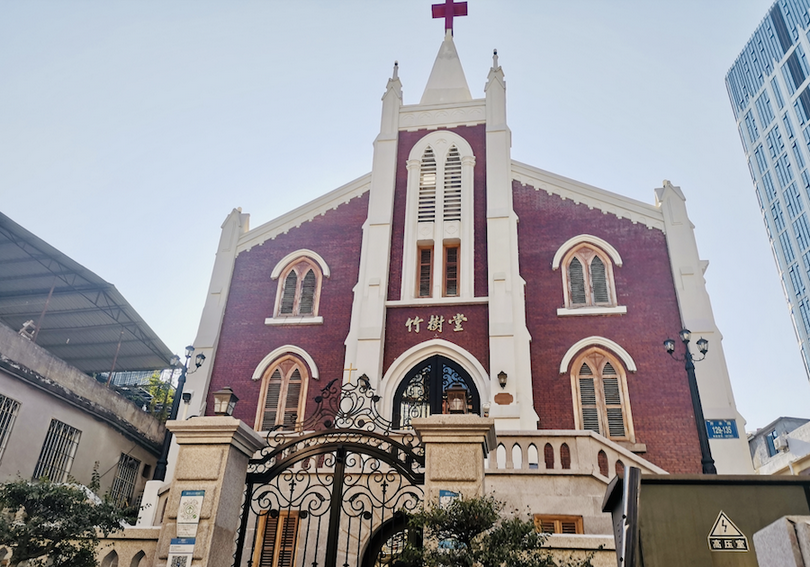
(562, 452)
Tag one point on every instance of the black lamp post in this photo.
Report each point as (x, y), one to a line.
(703, 346)
(160, 468)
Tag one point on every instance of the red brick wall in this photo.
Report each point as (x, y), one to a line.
(476, 137)
(474, 338)
(659, 393)
(245, 340)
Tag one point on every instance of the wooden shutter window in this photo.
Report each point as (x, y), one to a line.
(307, 294)
(271, 400)
(587, 400)
(293, 398)
(601, 396)
(425, 271)
(555, 524)
(283, 399)
(279, 539)
(451, 271)
(288, 295)
(427, 187)
(452, 186)
(599, 281)
(576, 279)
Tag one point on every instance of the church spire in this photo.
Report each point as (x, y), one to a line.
(447, 82)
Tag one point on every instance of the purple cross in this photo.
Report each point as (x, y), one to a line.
(449, 10)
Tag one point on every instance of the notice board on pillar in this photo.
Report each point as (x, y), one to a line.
(698, 520)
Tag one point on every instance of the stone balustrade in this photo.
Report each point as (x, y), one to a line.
(562, 452)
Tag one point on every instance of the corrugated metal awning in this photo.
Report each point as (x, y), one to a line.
(76, 315)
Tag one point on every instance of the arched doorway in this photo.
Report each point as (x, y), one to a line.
(432, 387)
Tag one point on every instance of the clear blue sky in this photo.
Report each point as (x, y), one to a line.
(129, 130)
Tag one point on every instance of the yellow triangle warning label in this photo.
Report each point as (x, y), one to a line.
(725, 536)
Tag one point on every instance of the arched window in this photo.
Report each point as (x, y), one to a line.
(588, 278)
(602, 460)
(565, 456)
(283, 395)
(438, 257)
(600, 395)
(434, 386)
(299, 289)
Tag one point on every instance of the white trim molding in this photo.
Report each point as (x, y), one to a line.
(282, 321)
(629, 363)
(281, 351)
(583, 239)
(615, 310)
(411, 357)
(285, 261)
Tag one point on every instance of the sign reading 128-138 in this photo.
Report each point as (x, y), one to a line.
(722, 429)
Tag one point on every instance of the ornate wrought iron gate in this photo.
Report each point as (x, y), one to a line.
(332, 492)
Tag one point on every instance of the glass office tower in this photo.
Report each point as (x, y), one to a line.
(770, 94)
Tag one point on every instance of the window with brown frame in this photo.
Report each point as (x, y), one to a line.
(451, 271)
(283, 396)
(557, 524)
(299, 289)
(601, 395)
(589, 278)
(276, 539)
(425, 271)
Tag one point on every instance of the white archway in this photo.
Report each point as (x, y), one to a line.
(590, 239)
(281, 351)
(629, 363)
(285, 261)
(414, 355)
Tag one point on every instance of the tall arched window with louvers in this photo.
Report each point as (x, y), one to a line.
(600, 395)
(283, 396)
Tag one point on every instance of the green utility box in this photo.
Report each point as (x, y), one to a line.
(697, 520)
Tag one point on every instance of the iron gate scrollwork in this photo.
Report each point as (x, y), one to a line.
(330, 493)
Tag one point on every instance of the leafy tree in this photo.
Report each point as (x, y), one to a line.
(472, 532)
(47, 523)
(162, 396)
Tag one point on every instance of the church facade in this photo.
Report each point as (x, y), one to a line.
(458, 280)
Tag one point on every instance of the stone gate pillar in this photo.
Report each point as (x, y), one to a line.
(213, 456)
(455, 446)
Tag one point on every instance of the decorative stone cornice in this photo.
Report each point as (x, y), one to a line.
(217, 430)
(304, 213)
(593, 197)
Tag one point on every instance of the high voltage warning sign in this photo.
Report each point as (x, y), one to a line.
(725, 536)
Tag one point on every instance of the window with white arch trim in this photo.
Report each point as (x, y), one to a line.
(438, 257)
(299, 289)
(601, 403)
(588, 278)
(283, 395)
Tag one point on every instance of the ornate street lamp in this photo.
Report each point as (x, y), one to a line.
(160, 468)
(689, 363)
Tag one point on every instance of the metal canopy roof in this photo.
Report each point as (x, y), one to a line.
(82, 319)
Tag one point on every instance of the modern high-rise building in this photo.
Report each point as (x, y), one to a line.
(770, 93)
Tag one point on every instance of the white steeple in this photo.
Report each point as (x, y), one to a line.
(447, 82)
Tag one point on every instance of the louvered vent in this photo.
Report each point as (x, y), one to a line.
(587, 392)
(568, 527)
(288, 295)
(452, 186)
(427, 187)
(547, 527)
(615, 422)
(599, 281)
(608, 370)
(293, 398)
(271, 401)
(576, 280)
(307, 294)
(269, 541)
(425, 267)
(585, 370)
